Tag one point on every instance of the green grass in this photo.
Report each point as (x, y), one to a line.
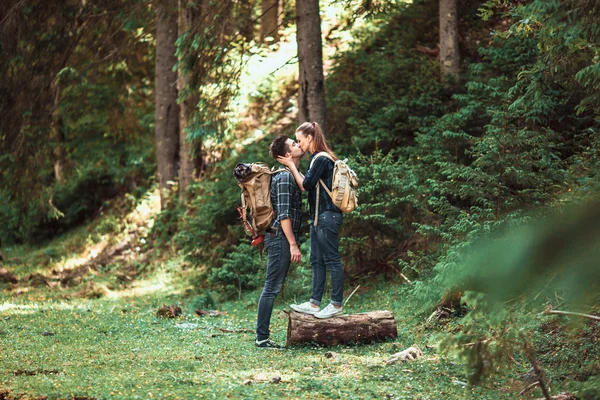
(116, 347)
(62, 343)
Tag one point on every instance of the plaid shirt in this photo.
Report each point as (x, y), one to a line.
(286, 199)
(321, 169)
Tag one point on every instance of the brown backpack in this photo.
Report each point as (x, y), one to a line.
(256, 210)
(344, 190)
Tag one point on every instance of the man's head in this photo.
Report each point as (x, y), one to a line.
(284, 146)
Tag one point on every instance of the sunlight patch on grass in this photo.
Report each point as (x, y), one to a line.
(143, 289)
(147, 209)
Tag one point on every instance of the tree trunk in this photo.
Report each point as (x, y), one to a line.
(166, 118)
(199, 161)
(270, 20)
(186, 105)
(345, 329)
(57, 136)
(449, 51)
(311, 95)
(245, 25)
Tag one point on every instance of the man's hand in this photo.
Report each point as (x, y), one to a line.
(296, 256)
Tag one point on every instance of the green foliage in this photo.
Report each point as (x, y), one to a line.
(103, 172)
(551, 259)
(366, 105)
(210, 227)
(210, 58)
(239, 272)
(372, 236)
(203, 301)
(590, 389)
(449, 166)
(71, 92)
(486, 341)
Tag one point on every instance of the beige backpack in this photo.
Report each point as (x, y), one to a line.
(344, 187)
(256, 210)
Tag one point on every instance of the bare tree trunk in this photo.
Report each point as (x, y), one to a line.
(166, 118)
(244, 20)
(58, 138)
(199, 161)
(187, 105)
(449, 51)
(311, 96)
(269, 22)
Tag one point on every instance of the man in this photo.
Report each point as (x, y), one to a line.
(281, 239)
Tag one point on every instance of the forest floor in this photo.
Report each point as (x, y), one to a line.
(79, 319)
(59, 345)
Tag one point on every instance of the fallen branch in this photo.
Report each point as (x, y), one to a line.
(528, 388)
(594, 317)
(235, 330)
(405, 278)
(429, 51)
(539, 374)
(474, 343)
(401, 274)
(348, 298)
(410, 354)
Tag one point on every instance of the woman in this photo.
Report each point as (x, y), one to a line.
(324, 231)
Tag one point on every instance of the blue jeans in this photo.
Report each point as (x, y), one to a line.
(325, 254)
(278, 264)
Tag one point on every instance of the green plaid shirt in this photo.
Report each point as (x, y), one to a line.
(286, 199)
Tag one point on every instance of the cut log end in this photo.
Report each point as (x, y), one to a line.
(366, 327)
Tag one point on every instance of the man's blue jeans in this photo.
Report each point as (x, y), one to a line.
(278, 264)
(325, 254)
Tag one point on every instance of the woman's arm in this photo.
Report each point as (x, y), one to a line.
(315, 173)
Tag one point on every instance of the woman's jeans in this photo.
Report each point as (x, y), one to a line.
(325, 253)
(278, 264)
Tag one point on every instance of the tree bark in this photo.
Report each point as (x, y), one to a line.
(345, 329)
(311, 91)
(449, 51)
(244, 23)
(166, 118)
(270, 20)
(187, 105)
(58, 137)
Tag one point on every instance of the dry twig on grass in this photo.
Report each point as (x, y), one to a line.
(594, 317)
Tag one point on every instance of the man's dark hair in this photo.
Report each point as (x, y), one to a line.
(279, 147)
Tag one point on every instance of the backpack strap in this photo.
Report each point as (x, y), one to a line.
(273, 173)
(243, 207)
(252, 201)
(320, 154)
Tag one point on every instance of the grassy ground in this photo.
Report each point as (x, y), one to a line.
(72, 327)
(59, 346)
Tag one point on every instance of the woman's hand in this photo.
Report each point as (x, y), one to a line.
(287, 161)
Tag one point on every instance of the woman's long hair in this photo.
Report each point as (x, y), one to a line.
(313, 129)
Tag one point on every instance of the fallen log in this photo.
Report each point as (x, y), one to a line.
(343, 329)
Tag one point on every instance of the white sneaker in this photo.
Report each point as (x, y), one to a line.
(329, 311)
(305, 308)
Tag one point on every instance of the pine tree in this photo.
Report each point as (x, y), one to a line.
(311, 95)
(449, 49)
(167, 110)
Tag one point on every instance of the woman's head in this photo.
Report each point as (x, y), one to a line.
(310, 138)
